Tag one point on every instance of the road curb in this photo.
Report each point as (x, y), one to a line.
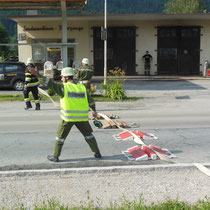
(97, 79)
(108, 169)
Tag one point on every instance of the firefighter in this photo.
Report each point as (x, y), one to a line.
(31, 85)
(84, 74)
(75, 102)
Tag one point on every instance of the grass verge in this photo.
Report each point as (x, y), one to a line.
(97, 98)
(124, 204)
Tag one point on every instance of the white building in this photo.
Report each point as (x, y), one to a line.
(179, 44)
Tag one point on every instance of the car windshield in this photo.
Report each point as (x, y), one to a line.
(13, 68)
(1, 68)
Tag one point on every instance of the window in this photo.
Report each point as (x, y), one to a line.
(38, 53)
(1, 72)
(54, 54)
(13, 68)
(125, 33)
(190, 32)
(1, 68)
(163, 33)
(168, 53)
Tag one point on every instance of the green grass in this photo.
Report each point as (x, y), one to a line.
(19, 97)
(97, 98)
(124, 204)
(101, 98)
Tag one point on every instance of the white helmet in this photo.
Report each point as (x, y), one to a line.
(67, 71)
(29, 61)
(85, 61)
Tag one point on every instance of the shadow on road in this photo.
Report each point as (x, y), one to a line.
(176, 151)
(152, 85)
(138, 84)
(113, 160)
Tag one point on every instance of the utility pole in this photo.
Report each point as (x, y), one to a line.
(105, 41)
(64, 33)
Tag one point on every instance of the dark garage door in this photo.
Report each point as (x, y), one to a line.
(179, 50)
(121, 50)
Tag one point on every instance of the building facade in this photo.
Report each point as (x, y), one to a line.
(179, 44)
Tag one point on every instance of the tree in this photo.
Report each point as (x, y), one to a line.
(13, 50)
(184, 6)
(4, 50)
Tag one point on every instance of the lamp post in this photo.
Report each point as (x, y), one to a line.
(64, 33)
(105, 41)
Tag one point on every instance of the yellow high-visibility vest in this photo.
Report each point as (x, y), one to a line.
(74, 104)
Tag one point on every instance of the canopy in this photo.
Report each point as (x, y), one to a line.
(43, 4)
(62, 5)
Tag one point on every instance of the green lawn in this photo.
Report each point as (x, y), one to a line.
(97, 98)
(123, 205)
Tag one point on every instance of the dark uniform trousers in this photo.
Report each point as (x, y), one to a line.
(64, 129)
(34, 90)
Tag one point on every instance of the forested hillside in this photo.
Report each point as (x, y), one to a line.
(97, 7)
(124, 6)
(9, 24)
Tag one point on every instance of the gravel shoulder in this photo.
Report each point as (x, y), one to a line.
(80, 186)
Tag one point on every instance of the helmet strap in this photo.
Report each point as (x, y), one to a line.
(65, 79)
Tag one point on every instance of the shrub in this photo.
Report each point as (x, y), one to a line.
(92, 89)
(51, 92)
(114, 88)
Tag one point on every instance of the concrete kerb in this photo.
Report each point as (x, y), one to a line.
(110, 169)
(166, 79)
(156, 78)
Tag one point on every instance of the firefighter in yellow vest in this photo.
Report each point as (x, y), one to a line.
(75, 103)
(85, 73)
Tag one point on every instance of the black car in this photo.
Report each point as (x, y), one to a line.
(12, 74)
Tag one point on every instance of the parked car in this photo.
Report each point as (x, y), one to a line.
(12, 74)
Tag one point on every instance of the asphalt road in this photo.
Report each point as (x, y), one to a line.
(175, 111)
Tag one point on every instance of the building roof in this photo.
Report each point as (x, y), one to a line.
(116, 17)
(41, 4)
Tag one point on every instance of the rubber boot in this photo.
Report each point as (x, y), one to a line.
(97, 155)
(57, 152)
(28, 105)
(37, 106)
(53, 158)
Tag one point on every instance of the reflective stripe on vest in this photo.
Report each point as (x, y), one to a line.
(84, 81)
(86, 70)
(74, 111)
(28, 79)
(33, 84)
(74, 104)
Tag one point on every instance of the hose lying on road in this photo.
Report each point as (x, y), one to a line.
(136, 138)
